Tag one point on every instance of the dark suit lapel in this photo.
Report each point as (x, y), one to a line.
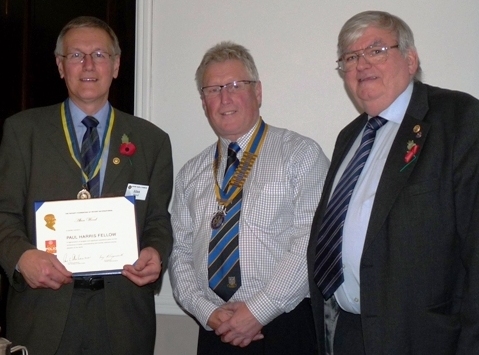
(54, 132)
(117, 163)
(396, 171)
(344, 142)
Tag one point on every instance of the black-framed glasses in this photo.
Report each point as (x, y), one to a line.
(97, 57)
(373, 55)
(232, 88)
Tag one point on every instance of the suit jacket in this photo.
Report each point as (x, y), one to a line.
(35, 165)
(419, 268)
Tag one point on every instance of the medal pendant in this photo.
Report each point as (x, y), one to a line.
(218, 220)
(83, 194)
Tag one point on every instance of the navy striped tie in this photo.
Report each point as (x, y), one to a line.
(328, 271)
(90, 149)
(224, 272)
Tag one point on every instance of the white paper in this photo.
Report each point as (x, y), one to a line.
(90, 237)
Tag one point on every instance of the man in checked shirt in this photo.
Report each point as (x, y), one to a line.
(265, 308)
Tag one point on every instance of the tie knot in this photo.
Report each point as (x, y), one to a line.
(90, 122)
(233, 149)
(376, 122)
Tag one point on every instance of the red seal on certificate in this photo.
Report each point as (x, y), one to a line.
(51, 246)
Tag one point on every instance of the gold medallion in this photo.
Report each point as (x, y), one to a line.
(83, 194)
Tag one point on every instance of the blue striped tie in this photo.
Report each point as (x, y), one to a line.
(90, 149)
(224, 272)
(328, 271)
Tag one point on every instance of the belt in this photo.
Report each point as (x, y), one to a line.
(91, 283)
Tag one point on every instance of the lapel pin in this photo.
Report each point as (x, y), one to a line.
(417, 130)
(116, 161)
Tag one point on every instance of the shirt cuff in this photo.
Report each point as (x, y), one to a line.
(204, 310)
(263, 309)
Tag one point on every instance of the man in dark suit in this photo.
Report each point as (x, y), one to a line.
(398, 273)
(48, 310)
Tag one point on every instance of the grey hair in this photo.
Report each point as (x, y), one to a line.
(222, 52)
(357, 25)
(87, 22)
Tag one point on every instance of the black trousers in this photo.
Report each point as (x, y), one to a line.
(348, 336)
(86, 331)
(289, 334)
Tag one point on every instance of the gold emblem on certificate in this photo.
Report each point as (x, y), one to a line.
(218, 219)
(83, 194)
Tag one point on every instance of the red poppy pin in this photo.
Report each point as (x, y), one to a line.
(127, 148)
(411, 154)
(412, 149)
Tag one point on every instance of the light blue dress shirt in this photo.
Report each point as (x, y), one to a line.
(362, 199)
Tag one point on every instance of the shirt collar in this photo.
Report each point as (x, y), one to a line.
(243, 140)
(396, 111)
(78, 115)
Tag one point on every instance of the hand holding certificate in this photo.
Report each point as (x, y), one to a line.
(89, 237)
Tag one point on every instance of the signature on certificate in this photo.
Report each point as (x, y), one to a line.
(109, 258)
(75, 258)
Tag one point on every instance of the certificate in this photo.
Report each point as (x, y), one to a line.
(90, 237)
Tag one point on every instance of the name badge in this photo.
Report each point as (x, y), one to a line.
(139, 191)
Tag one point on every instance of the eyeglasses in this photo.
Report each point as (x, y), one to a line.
(232, 88)
(372, 54)
(98, 57)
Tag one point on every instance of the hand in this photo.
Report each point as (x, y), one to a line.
(146, 269)
(43, 270)
(242, 328)
(219, 316)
